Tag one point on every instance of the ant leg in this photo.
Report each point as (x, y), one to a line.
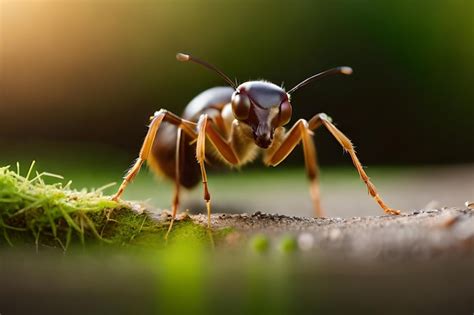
(206, 130)
(300, 132)
(156, 120)
(144, 152)
(201, 157)
(323, 119)
(175, 205)
(312, 170)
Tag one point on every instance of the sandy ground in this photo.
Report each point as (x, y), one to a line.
(420, 234)
(434, 219)
(344, 196)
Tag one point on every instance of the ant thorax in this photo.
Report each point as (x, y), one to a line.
(240, 136)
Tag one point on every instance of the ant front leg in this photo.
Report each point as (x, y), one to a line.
(206, 130)
(302, 131)
(323, 119)
(285, 145)
(156, 120)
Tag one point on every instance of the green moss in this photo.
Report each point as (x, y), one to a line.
(54, 215)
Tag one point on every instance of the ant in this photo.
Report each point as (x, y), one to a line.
(238, 122)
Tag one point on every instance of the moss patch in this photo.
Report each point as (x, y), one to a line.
(55, 215)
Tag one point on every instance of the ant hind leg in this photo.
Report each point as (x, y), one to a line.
(144, 153)
(156, 120)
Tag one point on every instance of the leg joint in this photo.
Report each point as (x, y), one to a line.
(302, 122)
(312, 175)
(161, 112)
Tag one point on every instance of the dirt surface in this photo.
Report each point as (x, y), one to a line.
(344, 195)
(420, 234)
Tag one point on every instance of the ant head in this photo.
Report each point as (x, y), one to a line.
(262, 105)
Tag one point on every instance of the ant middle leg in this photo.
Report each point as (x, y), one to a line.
(206, 131)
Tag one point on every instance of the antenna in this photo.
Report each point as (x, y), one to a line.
(185, 57)
(338, 70)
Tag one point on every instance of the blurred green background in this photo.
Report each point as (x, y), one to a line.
(79, 80)
(95, 70)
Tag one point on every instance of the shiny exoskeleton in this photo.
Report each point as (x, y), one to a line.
(233, 125)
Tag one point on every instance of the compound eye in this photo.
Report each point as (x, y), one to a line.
(240, 106)
(284, 116)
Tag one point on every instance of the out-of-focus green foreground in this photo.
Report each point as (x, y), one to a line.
(188, 279)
